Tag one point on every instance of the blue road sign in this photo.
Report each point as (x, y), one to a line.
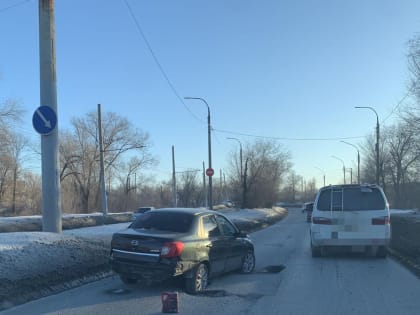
(44, 120)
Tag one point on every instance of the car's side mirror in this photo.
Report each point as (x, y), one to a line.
(241, 234)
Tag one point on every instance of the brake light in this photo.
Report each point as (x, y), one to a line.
(171, 249)
(321, 220)
(380, 221)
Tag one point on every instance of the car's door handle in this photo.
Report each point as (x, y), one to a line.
(209, 245)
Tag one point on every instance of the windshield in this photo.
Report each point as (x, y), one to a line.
(351, 199)
(164, 221)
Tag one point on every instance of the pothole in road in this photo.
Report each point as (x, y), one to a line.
(273, 269)
(214, 293)
(223, 293)
(119, 291)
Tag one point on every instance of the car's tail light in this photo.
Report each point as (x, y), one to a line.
(321, 220)
(171, 249)
(380, 220)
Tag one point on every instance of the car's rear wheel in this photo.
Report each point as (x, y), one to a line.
(199, 281)
(128, 280)
(248, 262)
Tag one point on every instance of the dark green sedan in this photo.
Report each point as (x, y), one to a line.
(193, 243)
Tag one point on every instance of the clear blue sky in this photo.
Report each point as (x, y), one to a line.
(286, 69)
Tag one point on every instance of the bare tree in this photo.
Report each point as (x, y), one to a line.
(6, 167)
(32, 193)
(79, 152)
(266, 164)
(414, 65)
(131, 177)
(17, 145)
(189, 190)
(10, 112)
(403, 154)
(290, 187)
(12, 146)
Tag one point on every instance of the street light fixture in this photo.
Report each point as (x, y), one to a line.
(358, 159)
(209, 146)
(344, 167)
(323, 173)
(377, 140)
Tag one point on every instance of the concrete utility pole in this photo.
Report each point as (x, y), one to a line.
(174, 199)
(51, 200)
(104, 203)
(204, 185)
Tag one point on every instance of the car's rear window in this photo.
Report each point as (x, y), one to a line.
(164, 221)
(351, 199)
(143, 209)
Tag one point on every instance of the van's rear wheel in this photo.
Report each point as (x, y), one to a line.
(382, 252)
(316, 251)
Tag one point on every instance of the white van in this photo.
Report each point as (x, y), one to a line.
(354, 217)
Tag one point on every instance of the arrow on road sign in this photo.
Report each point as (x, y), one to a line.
(47, 123)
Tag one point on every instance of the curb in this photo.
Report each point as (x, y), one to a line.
(410, 263)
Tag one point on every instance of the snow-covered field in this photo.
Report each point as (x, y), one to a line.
(35, 264)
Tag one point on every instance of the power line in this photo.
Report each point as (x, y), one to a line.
(286, 138)
(398, 104)
(149, 47)
(160, 67)
(14, 5)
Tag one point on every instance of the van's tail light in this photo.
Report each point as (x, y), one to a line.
(380, 220)
(171, 249)
(321, 220)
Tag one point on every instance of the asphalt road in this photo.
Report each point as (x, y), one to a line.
(287, 280)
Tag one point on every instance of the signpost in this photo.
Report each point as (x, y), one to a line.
(210, 172)
(44, 120)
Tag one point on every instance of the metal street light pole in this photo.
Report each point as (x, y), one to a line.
(358, 159)
(377, 140)
(344, 167)
(209, 146)
(323, 173)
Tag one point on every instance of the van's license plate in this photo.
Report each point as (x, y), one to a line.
(334, 235)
